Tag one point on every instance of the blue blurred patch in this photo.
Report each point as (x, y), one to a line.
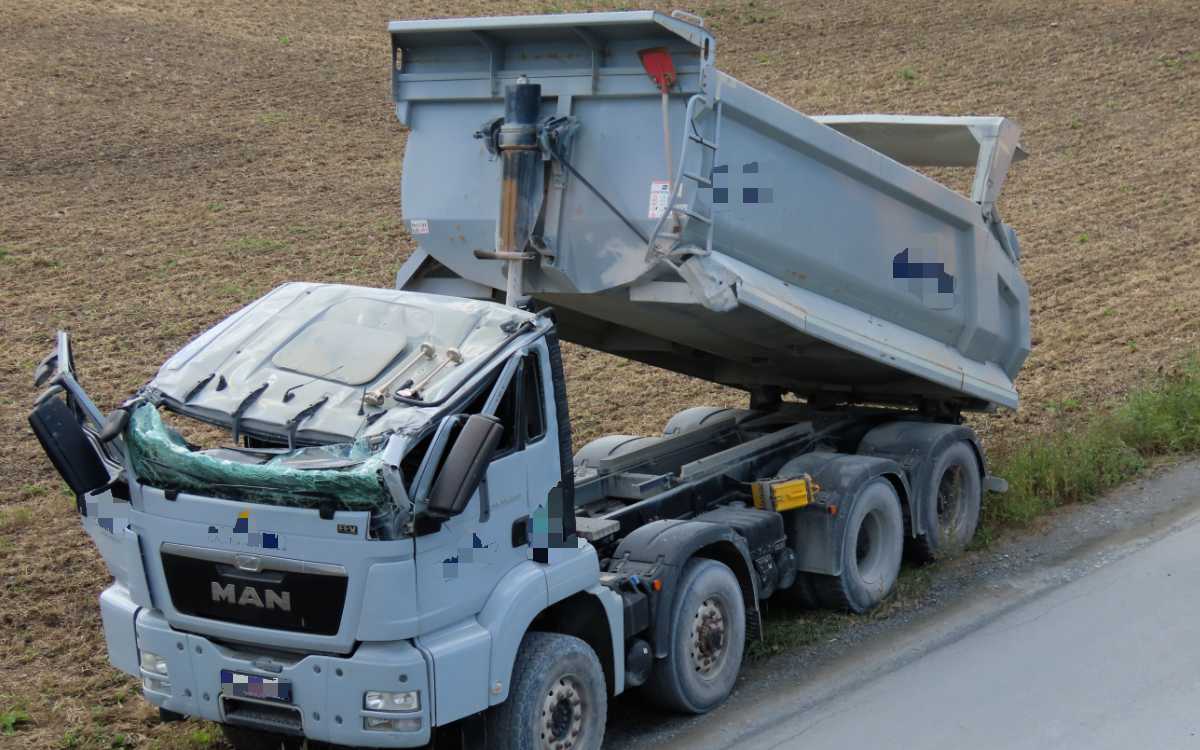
(903, 269)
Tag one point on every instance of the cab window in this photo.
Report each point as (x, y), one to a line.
(521, 409)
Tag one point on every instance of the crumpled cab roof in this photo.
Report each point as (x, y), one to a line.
(324, 348)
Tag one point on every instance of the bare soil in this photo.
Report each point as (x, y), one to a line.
(163, 163)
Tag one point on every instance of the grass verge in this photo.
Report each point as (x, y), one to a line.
(1096, 453)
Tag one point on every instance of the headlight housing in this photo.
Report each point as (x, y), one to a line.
(379, 724)
(382, 700)
(154, 672)
(153, 663)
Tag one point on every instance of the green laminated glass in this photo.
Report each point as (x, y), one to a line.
(348, 473)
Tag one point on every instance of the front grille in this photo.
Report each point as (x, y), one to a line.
(274, 593)
(259, 715)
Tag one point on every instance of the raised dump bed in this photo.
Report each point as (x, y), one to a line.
(799, 253)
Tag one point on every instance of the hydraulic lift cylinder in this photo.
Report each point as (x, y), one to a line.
(520, 160)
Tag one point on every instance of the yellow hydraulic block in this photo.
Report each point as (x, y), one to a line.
(784, 494)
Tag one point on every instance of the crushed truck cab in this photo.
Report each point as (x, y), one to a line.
(356, 515)
(306, 537)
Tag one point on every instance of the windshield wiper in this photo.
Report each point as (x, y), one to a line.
(293, 424)
(199, 387)
(245, 404)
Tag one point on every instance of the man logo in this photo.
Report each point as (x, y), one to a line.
(250, 597)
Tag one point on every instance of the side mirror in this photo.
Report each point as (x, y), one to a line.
(114, 425)
(465, 463)
(67, 446)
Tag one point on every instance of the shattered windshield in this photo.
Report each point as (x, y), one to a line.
(351, 474)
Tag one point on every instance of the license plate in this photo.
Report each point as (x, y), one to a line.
(239, 685)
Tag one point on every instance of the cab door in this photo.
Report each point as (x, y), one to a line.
(460, 564)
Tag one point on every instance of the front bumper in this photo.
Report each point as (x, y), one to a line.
(327, 691)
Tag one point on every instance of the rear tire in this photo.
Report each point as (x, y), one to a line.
(708, 640)
(871, 552)
(557, 699)
(954, 496)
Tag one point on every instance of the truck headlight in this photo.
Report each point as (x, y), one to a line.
(154, 673)
(380, 700)
(152, 662)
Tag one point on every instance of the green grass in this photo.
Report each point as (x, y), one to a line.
(785, 629)
(1100, 451)
(33, 490)
(272, 118)
(11, 719)
(12, 519)
(1174, 61)
(202, 738)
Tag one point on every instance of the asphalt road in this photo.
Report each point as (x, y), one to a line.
(1111, 660)
(1096, 649)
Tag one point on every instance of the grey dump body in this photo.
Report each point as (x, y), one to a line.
(804, 255)
(393, 535)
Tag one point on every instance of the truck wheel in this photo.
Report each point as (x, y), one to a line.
(708, 638)
(871, 552)
(244, 738)
(953, 498)
(557, 699)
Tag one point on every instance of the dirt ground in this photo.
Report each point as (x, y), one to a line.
(163, 163)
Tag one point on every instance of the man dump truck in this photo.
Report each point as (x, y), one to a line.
(390, 540)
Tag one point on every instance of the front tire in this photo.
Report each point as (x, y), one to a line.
(708, 640)
(557, 700)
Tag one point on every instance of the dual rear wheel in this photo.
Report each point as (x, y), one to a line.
(877, 529)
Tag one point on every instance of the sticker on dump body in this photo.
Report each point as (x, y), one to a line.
(419, 226)
(660, 198)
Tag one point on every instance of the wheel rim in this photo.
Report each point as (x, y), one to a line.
(562, 714)
(951, 501)
(708, 639)
(869, 548)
